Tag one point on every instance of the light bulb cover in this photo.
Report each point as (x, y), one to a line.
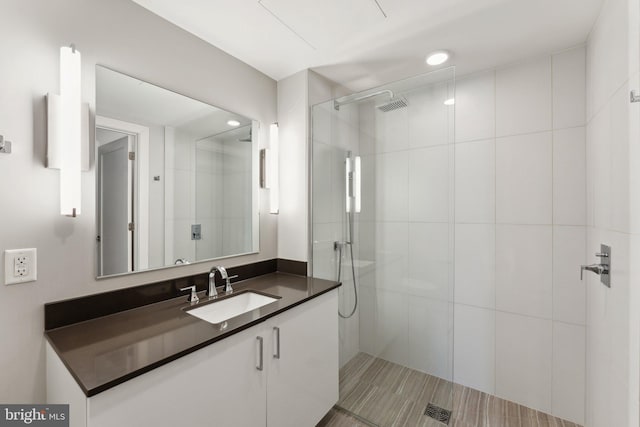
(70, 130)
(438, 57)
(357, 185)
(273, 171)
(353, 199)
(347, 186)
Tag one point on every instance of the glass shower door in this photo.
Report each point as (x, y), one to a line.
(396, 350)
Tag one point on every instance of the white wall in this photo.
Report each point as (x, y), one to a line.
(613, 213)
(295, 96)
(144, 46)
(293, 122)
(520, 233)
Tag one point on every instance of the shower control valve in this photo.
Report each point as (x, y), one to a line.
(595, 268)
(340, 244)
(603, 269)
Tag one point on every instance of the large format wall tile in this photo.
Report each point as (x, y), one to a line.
(569, 88)
(428, 117)
(569, 172)
(428, 183)
(392, 327)
(524, 179)
(524, 360)
(392, 193)
(569, 293)
(392, 256)
(524, 269)
(392, 130)
(475, 264)
(474, 348)
(568, 388)
(430, 341)
(475, 107)
(523, 98)
(475, 182)
(429, 260)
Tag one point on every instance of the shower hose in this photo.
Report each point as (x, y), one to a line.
(339, 246)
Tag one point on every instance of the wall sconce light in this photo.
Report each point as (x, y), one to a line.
(274, 169)
(67, 123)
(269, 172)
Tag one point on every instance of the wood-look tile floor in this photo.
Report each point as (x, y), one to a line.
(375, 392)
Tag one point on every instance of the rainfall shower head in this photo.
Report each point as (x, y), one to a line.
(393, 104)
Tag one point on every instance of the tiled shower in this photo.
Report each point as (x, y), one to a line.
(472, 228)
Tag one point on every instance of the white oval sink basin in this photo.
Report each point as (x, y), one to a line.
(219, 311)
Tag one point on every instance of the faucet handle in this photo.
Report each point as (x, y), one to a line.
(193, 297)
(227, 285)
(599, 269)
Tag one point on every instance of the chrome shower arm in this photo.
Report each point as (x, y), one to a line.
(337, 104)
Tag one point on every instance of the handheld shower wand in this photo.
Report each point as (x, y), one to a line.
(353, 204)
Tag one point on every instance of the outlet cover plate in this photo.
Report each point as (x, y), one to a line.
(20, 266)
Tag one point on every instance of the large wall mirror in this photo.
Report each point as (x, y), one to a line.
(176, 179)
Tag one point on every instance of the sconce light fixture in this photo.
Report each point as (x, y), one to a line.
(273, 169)
(353, 190)
(66, 124)
(269, 173)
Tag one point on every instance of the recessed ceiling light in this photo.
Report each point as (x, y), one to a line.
(438, 57)
(450, 101)
(233, 123)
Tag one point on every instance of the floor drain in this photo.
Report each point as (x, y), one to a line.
(438, 413)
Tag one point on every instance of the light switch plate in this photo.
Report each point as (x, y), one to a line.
(20, 266)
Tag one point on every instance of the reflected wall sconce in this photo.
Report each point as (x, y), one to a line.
(67, 132)
(269, 169)
(5, 146)
(353, 184)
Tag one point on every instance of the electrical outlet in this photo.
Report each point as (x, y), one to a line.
(20, 265)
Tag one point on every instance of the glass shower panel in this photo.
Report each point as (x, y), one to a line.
(396, 350)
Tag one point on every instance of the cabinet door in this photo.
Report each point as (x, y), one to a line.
(303, 377)
(218, 385)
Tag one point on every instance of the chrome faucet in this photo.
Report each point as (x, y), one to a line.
(212, 282)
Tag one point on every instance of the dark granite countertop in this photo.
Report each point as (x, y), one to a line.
(104, 352)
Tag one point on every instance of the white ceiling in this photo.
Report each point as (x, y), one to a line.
(352, 41)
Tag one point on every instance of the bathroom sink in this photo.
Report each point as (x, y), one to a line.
(225, 309)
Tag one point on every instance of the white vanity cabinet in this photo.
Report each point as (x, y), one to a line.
(303, 363)
(222, 384)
